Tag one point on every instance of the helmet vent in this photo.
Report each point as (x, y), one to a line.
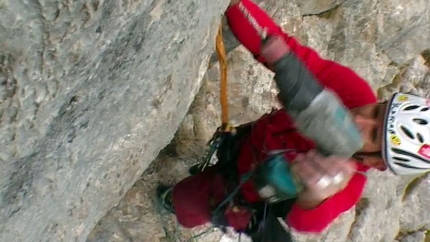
(420, 138)
(411, 107)
(407, 132)
(425, 109)
(406, 153)
(420, 121)
(408, 166)
(401, 159)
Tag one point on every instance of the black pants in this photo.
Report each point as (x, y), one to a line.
(268, 228)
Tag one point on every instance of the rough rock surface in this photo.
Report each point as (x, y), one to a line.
(415, 237)
(359, 34)
(313, 7)
(90, 92)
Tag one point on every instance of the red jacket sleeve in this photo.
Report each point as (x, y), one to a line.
(316, 220)
(351, 89)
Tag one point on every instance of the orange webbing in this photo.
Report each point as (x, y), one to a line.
(222, 58)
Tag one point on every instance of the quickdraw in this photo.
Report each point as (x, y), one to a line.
(222, 59)
(225, 127)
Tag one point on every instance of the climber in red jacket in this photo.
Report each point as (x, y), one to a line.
(396, 135)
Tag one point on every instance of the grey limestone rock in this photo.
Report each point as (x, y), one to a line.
(90, 92)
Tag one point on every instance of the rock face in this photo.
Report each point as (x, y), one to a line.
(313, 7)
(90, 92)
(375, 38)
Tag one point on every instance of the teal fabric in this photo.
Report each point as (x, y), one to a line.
(275, 174)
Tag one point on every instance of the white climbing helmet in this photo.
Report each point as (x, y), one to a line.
(406, 146)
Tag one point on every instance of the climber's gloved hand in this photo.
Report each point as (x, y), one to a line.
(322, 177)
